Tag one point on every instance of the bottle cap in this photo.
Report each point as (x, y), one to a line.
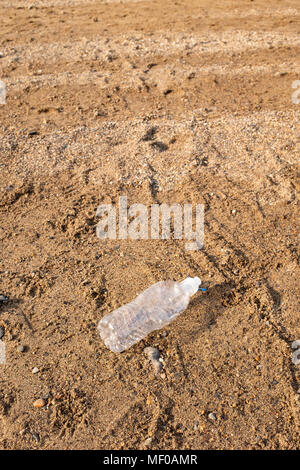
(191, 285)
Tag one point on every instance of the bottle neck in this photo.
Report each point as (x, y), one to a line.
(190, 285)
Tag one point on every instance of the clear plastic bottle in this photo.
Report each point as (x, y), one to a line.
(154, 308)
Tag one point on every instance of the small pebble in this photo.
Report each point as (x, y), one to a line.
(152, 353)
(33, 132)
(2, 331)
(296, 357)
(233, 211)
(280, 74)
(296, 354)
(3, 298)
(21, 348)
(35, 370)
(39, 403)
(212, 416)
(157, 366)
(154, 356)
(148, 441)
(36, 436)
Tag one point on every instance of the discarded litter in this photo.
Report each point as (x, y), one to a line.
(151, 310)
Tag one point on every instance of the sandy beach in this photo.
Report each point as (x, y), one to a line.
(175, 102)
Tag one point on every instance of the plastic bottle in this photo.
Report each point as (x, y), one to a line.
(151, 310)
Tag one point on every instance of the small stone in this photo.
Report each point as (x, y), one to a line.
(39, 403)
(33, 132)
(2, 332)
(157, 366)
(21, 348)
(295, 344)
(212, 416)
(233, 211)
(35, 370)
(3, 298)
(296, 357)
(36, 436)
(154, 356)
(99, 113)
(148, 441)
(152, 353)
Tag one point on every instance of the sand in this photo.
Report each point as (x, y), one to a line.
(162, 102)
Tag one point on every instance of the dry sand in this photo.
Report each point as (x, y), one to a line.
(86, 81)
